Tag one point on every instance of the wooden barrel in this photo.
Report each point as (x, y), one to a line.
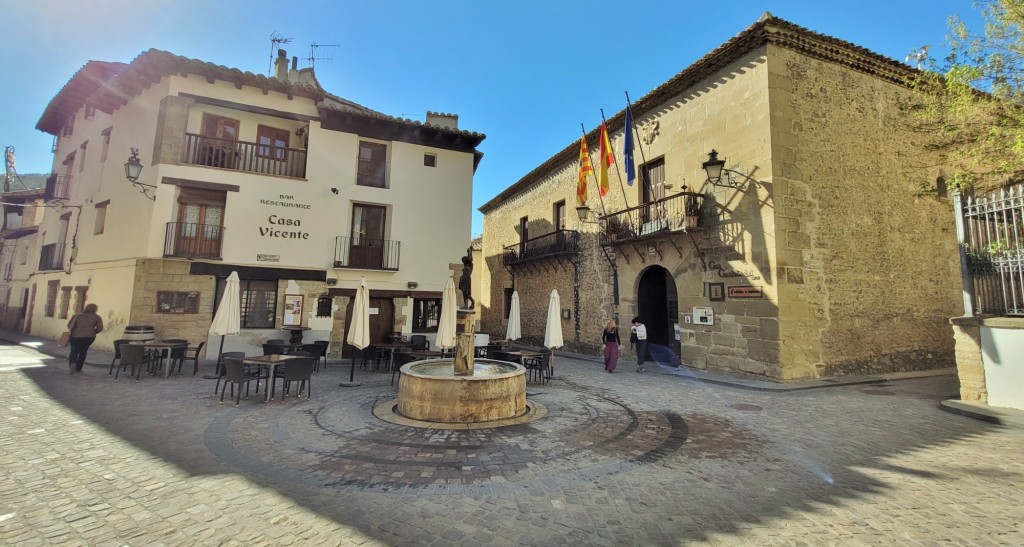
(140, 333)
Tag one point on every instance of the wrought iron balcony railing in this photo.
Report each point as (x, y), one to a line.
(548, 245)
(366, 254)
(678, 213)
(190, 240)
(51, 257)
(249, 157)
(58, 186)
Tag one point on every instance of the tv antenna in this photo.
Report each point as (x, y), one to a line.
(275, 44)
(314, 55)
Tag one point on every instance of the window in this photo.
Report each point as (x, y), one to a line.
(90, 111)
(373, 165)
(324, 306)
(524, 234)
(217, 147)
(81, 160)
(430, 160)
(106, 143)
(101, 217)
(177, 302)
(69, 127)
(22, 252)
(653, 189)
(200, 217)
(426, 314)
(80, 294)
(558, 216)
(51, 297)
(258, 301)
(65, 301)
(508, 300)
(367, 245)
(271, 142)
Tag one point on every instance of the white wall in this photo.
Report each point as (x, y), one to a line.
(1002, 354)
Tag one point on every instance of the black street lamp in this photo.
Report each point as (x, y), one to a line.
(132, 171)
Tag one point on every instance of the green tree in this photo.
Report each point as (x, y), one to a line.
(974, 99)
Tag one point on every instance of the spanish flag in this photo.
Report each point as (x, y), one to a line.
(586, 170)
(606, 160)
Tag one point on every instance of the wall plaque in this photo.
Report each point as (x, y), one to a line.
(745, 291)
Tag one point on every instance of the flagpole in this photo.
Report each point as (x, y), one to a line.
(597, 184)
(636, 143)
(617, 173)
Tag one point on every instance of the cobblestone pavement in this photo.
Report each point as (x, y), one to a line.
(620, 459)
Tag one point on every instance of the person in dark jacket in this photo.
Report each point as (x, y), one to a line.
(83, 327)
(638, 336)
(612, 344)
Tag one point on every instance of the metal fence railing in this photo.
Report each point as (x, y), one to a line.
(366, 254)
(991, 236)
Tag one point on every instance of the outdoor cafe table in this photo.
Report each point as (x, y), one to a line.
(270, 362)
(425, 354)
(162, 344)
(390, 349)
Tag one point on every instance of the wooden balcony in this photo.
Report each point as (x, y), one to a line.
(190, 240)
(249, 157)
(366, 254)
(679, 213)
(58, 186)
(555, 244)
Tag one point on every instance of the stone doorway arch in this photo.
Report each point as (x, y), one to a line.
(656, 297)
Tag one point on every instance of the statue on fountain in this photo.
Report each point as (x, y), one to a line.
(466, 281)
(465, 338)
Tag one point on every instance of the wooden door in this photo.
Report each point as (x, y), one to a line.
(217, 147)
(382, 323)
(366, 248)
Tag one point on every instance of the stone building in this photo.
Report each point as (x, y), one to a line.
(299, 191)
(813, 255)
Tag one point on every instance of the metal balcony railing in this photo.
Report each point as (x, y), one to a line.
(249, 157)
(366, 254)
(678, 213)
(548, 245)
(190, 240)
(58, 186)
(51, 257)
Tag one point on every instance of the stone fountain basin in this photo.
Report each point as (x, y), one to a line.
(430, 391)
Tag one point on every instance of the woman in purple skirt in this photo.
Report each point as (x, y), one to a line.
(611, 345)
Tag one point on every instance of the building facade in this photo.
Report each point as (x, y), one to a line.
(813, 255)
(299, 191)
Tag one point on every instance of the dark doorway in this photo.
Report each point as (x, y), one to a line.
(656, 296)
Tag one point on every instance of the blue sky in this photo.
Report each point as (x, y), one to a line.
(526, 73)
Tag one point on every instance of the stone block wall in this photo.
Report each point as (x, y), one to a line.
(152, 275)
(969, 365)
(868, 270)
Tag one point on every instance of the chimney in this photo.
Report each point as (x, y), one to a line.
(281, 65)
(448, 121)
(293, 74)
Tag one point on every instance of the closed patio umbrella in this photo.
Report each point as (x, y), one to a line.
(449, 317)
(513, 332)
(553, 329)
(359, 328)
(228, 319)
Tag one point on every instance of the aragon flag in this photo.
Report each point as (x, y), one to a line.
(586, 170)
(606, 160)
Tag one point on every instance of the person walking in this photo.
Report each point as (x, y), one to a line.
(83, 327)
(638, 335)
(612, 344)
